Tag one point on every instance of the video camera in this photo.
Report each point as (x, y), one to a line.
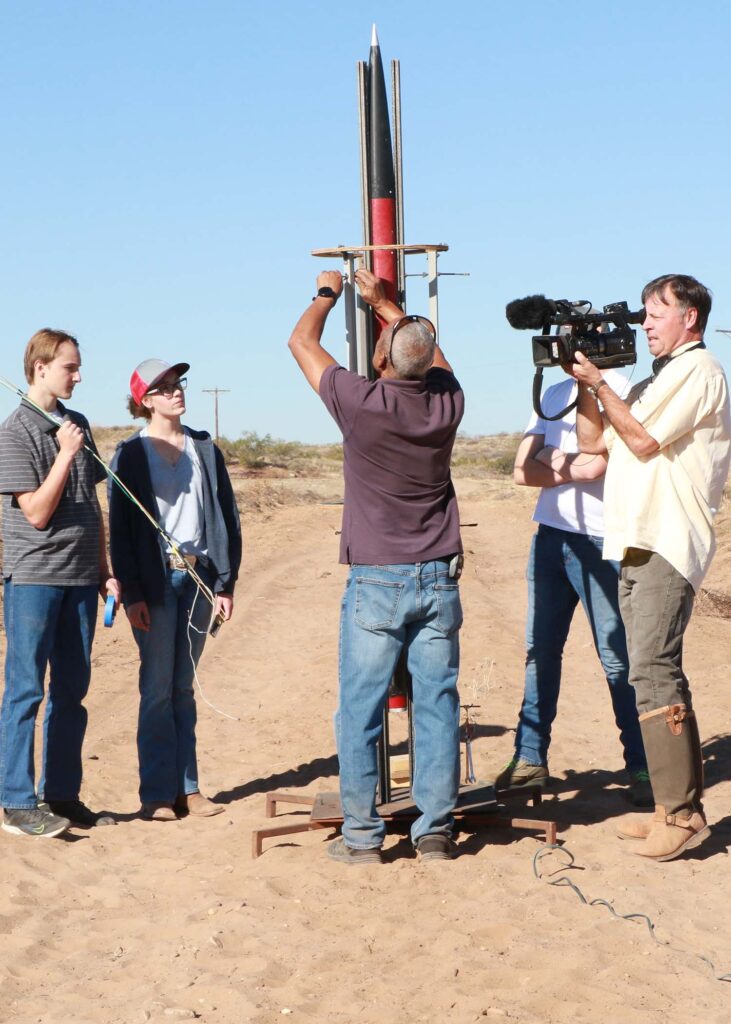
(605, 348)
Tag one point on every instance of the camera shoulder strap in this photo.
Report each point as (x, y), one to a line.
(537, 388)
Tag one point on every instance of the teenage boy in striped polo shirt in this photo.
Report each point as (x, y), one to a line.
(54, 566)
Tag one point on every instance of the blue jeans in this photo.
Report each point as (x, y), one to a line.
(566, 568)
(169, 653)
(386, 608)
(44, 626)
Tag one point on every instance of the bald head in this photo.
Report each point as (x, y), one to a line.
(411, 352)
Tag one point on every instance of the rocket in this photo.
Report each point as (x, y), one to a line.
(381, 176)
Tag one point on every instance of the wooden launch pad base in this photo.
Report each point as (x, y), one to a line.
(475, 805)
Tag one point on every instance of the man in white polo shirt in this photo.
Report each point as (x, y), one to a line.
(566, 568)
(669, 449)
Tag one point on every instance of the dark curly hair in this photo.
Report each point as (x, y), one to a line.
(137, 411)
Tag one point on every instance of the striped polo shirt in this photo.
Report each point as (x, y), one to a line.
(66, 551)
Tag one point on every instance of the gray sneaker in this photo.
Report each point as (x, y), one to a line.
(435, 847)
(338, 850)
(518, 773)
(32, 821)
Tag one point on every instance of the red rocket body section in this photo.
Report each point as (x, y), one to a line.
(383, 225)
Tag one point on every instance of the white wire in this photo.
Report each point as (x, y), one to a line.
(211, 705)
(200, 587)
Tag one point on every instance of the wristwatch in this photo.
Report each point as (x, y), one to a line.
(594, 388)
(325, 293)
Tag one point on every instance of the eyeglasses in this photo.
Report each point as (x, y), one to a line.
(168, 390)
(410, 318)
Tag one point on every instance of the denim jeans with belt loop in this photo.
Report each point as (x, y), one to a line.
(45, 626)
(386, 608)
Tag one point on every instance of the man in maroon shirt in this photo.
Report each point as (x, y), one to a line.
(401, 539)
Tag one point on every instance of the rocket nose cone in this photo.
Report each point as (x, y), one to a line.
(374, 37)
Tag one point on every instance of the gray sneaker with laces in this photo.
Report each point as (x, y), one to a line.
(34, 822)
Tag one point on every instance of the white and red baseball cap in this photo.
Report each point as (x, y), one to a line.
(149, 373)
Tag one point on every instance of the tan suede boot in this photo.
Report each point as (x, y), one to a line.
(674, 757)
(197, 805)
(673, 834)
(635, 826)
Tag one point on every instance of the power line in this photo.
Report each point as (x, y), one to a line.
(216, 392)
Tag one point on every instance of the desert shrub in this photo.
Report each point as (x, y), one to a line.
(503, 465)
(485, 456)
(253, 451)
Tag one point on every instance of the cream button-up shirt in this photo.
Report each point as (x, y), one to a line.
(666, 502)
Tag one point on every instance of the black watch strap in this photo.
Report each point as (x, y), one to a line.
(325, 293)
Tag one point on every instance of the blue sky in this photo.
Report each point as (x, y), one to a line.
(168, 166)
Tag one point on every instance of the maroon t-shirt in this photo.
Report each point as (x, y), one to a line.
(400, 504)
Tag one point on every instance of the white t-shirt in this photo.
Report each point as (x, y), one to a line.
(178, 491)
(576, 507)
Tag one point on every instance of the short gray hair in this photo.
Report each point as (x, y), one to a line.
(412, 352)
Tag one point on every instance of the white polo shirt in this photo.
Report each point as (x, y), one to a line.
(666, 502)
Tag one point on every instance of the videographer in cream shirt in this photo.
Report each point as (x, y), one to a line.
(669, 453)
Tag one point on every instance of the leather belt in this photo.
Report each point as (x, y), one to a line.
(176, 562)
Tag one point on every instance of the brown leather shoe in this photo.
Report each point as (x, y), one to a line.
(635, 826)
(671, 835)
(156, 811)
(198, 805)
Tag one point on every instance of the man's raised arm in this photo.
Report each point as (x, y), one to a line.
(371, 290)
(304, 344)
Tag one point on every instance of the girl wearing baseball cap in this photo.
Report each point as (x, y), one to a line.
(179, 475)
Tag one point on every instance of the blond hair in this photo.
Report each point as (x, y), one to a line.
(44, 346)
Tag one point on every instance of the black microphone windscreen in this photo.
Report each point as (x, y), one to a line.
(530, 313)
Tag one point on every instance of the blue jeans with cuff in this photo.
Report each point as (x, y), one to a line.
(386, 608)
(565, 568)
(169, 653)
(45, 626)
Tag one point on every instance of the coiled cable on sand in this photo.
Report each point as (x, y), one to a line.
(564, 881)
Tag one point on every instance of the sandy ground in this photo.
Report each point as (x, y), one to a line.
(158, 922)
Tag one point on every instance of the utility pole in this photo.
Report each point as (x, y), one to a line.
(216, 392)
